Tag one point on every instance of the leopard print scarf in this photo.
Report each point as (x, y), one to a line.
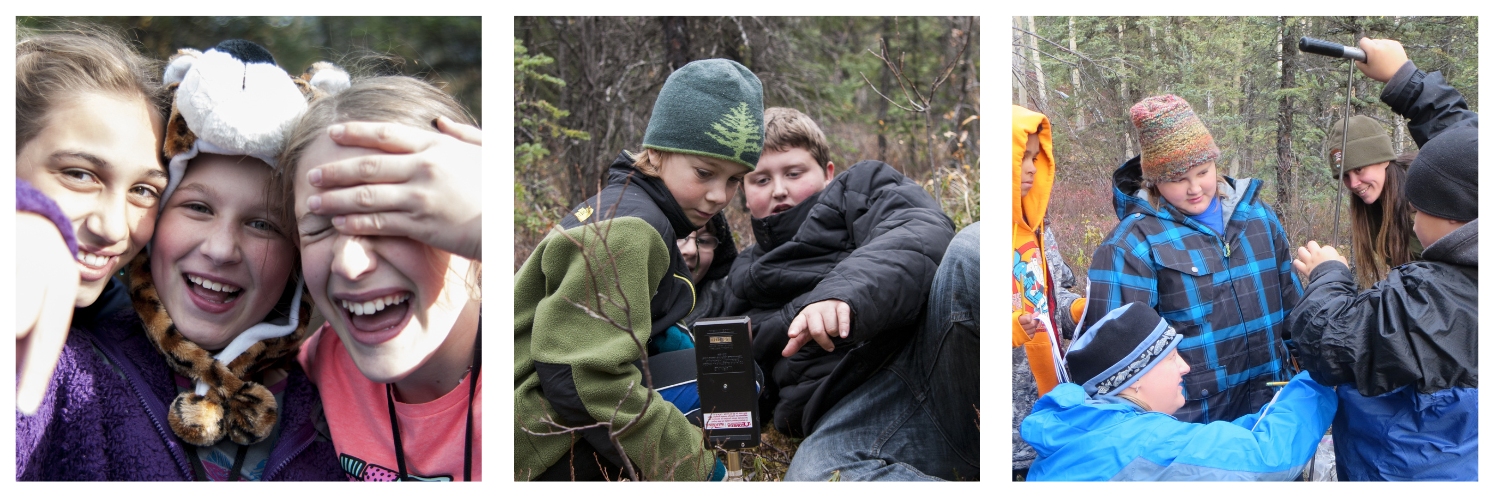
(234, 406)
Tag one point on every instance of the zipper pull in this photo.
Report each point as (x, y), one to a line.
(1226, 250)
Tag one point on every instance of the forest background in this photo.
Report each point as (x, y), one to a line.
(585, 88)
(904, 91)
(1269, 107)
(444, 51)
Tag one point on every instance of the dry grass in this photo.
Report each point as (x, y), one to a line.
(769, 461)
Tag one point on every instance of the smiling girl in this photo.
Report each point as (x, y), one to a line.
(1381, 234)
(397, 362)
(213, 287)
(1207, 254)
(89, 178)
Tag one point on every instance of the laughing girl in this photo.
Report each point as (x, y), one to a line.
(397, 362)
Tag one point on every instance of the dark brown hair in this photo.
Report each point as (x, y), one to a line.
(54, 68)
(1381, 234)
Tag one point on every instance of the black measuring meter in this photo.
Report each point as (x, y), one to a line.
(726, 382)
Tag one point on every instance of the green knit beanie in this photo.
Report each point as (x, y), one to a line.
(710, 108)
(1369, 143)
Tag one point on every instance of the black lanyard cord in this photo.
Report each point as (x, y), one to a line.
(469, 420)
(390, 400)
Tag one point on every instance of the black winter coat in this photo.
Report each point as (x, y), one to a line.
(873, 239)
(1419, 326)
(1428, 102)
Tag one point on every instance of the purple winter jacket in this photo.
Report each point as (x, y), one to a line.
(104, 417)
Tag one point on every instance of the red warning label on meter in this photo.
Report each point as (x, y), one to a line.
(731, 420)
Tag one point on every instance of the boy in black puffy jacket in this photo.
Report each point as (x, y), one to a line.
(837, 282)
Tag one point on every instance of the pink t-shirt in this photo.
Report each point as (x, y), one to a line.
(432, 433)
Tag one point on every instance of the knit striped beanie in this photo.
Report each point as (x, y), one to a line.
(1118, 349)
(1173, 139)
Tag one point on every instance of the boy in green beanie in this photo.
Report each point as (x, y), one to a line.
(610, 285)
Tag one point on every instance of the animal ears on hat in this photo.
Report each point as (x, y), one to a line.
(179, 137)
(231, 99)
(323, 79)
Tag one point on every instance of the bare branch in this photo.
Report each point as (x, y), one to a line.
(887, 98)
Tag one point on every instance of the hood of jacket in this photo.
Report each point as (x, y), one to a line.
(1130, 196)
(773, 230)
(1028, 211)
(1067, 415)
(1460, 247)
(630, 193)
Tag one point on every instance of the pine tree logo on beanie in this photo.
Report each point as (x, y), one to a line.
(712, 108)
(738, 131)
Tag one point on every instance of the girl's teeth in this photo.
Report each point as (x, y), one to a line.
(374, 305)
(91, 259)
(217, 287)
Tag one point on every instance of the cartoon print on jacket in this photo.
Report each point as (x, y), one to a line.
(1030, 293)
(360, 470)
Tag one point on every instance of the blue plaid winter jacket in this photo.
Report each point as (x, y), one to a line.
(1227, 295)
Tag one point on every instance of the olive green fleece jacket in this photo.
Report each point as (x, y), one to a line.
(594, 356)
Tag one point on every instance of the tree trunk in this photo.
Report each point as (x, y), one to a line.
(883, 106)
(1018, 66)
(1284, 192)
(1036, 65)
(1246, 111)
(1077, 82)
(1126, 136)
(674, 33)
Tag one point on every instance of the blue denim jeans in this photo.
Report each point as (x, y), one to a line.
(917, 419)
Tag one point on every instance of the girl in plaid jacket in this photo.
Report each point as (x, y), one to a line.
(1207, 254)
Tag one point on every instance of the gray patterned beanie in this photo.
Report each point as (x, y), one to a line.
(711, 108)
(1120, 348)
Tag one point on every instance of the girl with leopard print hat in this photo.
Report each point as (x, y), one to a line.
(215, 291)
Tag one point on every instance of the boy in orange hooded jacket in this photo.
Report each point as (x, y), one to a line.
(1036, 298)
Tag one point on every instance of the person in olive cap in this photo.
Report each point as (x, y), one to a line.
(576, 350)
(1405, 353)
(1114, 422)
(1381, 221)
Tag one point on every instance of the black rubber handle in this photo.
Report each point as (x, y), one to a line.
(1330, 49)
